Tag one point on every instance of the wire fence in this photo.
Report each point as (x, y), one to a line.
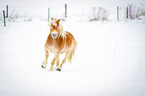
(93, 14)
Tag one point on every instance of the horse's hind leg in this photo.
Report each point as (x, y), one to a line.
(46, 58)
(64, 60)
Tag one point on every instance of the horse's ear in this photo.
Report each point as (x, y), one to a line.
(59, 20)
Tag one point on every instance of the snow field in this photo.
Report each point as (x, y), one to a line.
(109, 60)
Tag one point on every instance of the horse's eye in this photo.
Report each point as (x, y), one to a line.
(58, 26)
(51, 26)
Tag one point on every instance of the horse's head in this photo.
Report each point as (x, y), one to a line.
(55, 28)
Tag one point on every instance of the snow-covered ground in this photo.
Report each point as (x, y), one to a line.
(109, 60)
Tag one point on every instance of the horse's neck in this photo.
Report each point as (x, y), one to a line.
(61, 32)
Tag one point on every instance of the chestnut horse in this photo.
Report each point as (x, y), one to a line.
(58, 42)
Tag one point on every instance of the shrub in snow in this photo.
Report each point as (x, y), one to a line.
(13, 15)
(1, 17)
(26, 14)
(97, 14)
(135, 11)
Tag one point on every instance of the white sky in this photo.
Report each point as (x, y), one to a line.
(50, 3)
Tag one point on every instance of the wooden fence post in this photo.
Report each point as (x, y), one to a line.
(4, 18)
(7, 11)
(65, 10)
(127, 13)
(118, 13)
(48, 14)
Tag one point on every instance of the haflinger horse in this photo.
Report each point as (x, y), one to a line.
(58, 42)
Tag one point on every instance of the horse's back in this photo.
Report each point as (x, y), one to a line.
(69, 42)
(69, 39)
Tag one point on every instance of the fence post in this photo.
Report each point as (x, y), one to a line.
(65, 10)
(48, 14)
(7, 11)
(4, 18)
(127, 12)
(118, 13)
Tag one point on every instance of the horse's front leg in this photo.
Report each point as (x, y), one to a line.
(56, 58)
(57, 62)
(46, 58)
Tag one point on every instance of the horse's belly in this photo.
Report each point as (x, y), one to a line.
(53, 49)
(67, 48)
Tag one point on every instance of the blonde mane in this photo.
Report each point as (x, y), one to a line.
(61, 32)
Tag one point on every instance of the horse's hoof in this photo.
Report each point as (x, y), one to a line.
(43, 67)
(58, 69)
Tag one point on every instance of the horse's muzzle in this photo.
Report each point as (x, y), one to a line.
(54, 35)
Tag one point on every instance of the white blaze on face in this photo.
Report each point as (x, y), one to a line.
(55, 24)
(54, 34)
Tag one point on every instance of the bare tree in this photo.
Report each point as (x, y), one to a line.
(99, 14)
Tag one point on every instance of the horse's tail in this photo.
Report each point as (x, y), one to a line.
(72, 51)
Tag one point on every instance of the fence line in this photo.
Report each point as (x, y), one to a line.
(122, 13)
